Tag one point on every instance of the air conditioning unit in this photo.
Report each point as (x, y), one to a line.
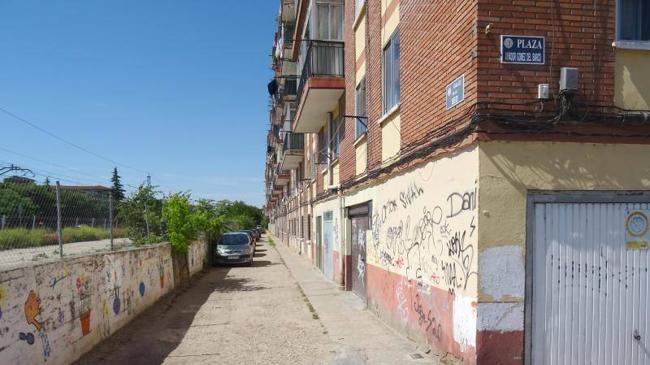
(568, 79)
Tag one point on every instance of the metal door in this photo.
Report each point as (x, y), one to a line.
(590, 288)
(360, 223)
(319, 243)
(328, 250)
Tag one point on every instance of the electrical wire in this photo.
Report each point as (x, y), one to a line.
(50, 163)
(65, 141)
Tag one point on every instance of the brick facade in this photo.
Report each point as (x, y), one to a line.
(373, 80)
(348, 156)
(578, 34)
(437, 44)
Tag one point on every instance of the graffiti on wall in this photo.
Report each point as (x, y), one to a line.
(426, 234)
(431, 243)
(51, 311)
(32, 310)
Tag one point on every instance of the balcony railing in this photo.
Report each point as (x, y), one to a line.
(323, 58)
(288, 88)
(294, 141)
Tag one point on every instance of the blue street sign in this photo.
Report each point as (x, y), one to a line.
(456, 92)
(524, 50)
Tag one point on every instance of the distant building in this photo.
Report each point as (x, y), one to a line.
(18, 180)
(90, 189)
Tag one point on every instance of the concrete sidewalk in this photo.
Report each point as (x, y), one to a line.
(357, 336)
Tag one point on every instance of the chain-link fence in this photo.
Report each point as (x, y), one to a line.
(47, 220)
(50, 220)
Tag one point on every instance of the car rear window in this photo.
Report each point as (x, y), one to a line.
(234, 239)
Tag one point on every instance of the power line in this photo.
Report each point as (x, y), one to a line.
(51, 163)
(63, 140)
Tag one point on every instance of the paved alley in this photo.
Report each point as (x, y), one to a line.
(279, 311)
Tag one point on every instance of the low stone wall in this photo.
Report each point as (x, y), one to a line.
(198, 256)
(55, 312)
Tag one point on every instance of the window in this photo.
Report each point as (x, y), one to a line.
(335, 139)
(321, 154)
(302, 227)
(633, 20)
(329, 17)
(299, 173)
(391, 72)
(309, 227)
(361, 109)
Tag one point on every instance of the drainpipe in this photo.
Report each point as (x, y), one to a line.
(299, 231)
(344, 241)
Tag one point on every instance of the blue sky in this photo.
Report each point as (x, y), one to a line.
(174, 88)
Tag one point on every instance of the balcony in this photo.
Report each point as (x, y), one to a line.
(293, 150)
(288, 10)
(282, 177)
(321, 84)
(289, 88)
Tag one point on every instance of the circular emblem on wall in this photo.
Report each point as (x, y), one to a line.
(637, 224)
(508, 42)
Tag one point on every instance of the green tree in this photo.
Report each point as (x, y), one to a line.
(182, 221)
(117, 189)
(142, 207)
(209, 220)
(13, 203)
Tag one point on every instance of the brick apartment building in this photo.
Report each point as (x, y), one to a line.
(476, 171)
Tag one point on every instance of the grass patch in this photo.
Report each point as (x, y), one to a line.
(271, 242)
(22, 237)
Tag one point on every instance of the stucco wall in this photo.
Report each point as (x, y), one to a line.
(53, 313)
(631, 81)
(422, 252)
(198, 256)
(390, 136)
(333, 205)
(508, 170)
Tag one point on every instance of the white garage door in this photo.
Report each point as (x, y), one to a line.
(590, 288)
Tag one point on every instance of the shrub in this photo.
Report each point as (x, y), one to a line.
(182, 222)
(120, 232)
(83, 233)
(21, 237)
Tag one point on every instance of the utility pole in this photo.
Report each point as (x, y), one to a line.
(146, 219)
(59, 232)
(12, 167)
(110, 217)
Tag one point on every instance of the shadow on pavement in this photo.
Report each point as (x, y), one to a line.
(262, 263)
(155, 333)
(237, 285)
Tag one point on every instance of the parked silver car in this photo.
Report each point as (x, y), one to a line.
(234, 248)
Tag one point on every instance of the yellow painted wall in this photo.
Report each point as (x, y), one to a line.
(361, 151)
(361, 72)
(326, 180)
(332, 205)
(390, 137)
(420, 231)
(391, 23)
(360, 39)
(632, 79)
(335, 173)
(508, 170)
